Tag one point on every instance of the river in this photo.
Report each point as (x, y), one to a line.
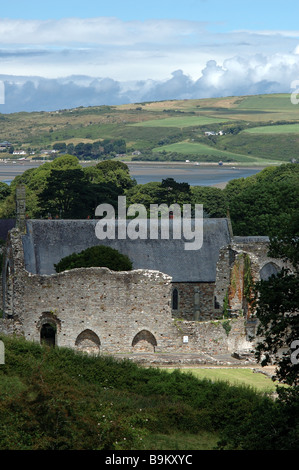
(195, 175)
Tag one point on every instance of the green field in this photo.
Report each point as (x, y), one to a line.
(180, 122)
(275, 129)
(277, 102)
(234, 376)
(204, 151)
(256, 128)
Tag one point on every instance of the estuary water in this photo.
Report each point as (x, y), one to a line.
(195, 175)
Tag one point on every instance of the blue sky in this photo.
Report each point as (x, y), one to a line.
(233, 14)
(69, 53)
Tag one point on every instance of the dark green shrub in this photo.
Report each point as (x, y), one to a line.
(96, 256)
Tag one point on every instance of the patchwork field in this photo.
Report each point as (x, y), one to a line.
(200, 150)
(180, 122)
(257, 129)
(275, 129)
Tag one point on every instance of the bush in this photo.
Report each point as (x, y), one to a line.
(96, 256)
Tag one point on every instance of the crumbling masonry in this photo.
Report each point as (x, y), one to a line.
(174, 300)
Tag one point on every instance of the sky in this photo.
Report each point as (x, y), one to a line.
(63, 54)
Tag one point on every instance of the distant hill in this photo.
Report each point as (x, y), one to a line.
(250, 129)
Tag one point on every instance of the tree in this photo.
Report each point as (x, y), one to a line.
(213, 200)
(261, 204)
(96, 256)
(278, 307)
(4, 190)
(173, 192)
(67, 194)
(65, 189)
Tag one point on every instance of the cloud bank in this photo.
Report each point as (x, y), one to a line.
(237, 76)
(59, 64)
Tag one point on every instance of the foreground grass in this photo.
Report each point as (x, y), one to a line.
(182, 441)
(58, 399)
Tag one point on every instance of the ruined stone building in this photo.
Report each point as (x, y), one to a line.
(173, 300)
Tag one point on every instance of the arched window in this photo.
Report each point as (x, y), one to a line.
(175, 299)
(88, 341)
(268, 270)
(145, 341)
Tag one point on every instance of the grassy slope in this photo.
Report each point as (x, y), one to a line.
(160, 124)
(275, 129)
(56, 398)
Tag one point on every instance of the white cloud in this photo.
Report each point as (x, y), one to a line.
(137, 61)
(103, 30)
(236, 76)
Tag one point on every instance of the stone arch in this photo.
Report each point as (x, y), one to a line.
(144, 341)
(48, 326)
(268, 270)
(88, 341)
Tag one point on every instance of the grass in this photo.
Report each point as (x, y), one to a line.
(180, 122)
(234, 376)
(169, 125)
(200, 150)
(59, 399)
(275, 129)
(182, 441)
(276, 102)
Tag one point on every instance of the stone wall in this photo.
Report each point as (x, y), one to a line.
(101, 311)
(241, 264)
(213, 338)
(110, 307)
(195, 301)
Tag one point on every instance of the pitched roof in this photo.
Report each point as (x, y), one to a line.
(47, 241)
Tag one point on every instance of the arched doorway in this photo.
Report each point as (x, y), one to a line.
(144, 341)
(48, 334)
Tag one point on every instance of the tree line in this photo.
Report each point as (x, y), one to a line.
(258, 205)
(93, 151)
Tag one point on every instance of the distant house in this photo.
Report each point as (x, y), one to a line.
(48, 152)
(19, 152)
(214, 133)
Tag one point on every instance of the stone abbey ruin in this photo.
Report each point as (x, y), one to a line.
(173, 301)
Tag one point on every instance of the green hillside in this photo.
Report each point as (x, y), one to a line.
(58, 399)
(254, 129)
